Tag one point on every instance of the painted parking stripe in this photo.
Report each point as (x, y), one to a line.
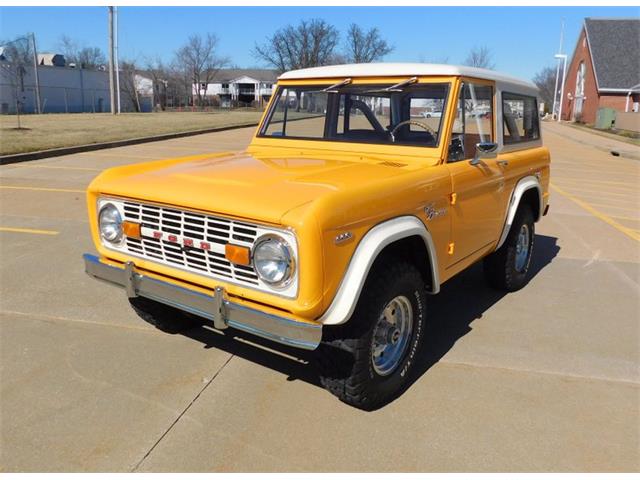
(605, 218)
(28, 230)
(41, 189)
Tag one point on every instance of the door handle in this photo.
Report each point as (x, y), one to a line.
(503, 163)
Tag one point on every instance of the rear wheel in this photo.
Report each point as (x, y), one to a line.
(507, 268)
(366, 362)
(163, 317)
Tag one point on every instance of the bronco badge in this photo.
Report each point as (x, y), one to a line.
(432, 212)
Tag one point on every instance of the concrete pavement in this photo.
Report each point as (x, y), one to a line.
(543, 379)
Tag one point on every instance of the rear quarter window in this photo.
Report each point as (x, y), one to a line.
(520, 118)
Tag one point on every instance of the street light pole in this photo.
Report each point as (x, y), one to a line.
(554, 111)
(564, 76)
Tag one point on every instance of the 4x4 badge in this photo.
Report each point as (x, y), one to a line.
(432, 212)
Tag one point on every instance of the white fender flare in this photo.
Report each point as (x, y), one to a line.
(376, 239)
(524, 184)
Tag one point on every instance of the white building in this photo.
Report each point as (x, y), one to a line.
(65, 90)
(244, 86)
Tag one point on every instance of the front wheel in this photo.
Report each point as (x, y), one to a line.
(507, 268)
(366, 362)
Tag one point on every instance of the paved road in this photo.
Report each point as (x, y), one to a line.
(543, 379)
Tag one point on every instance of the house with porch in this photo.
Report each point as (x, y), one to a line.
(235, 86)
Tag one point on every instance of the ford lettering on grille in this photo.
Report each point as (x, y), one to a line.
(189, 240)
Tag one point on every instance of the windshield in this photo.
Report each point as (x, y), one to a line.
(382, 114)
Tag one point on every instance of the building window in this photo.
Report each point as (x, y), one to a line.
(520, 118)
(580, 76)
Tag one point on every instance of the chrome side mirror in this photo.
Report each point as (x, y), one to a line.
(484, 150)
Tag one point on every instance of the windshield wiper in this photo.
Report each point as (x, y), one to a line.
(397, 87)
(332, 88)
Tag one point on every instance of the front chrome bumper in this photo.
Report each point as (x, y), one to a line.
(216, 307)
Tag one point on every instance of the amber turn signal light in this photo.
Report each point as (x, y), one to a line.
(236, 254)
(131, 230)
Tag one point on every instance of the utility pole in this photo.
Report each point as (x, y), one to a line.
(117, 62)
(111, 86)
(35, 71)
(555, 90)
(563, 57)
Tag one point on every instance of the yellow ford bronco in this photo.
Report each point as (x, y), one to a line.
(364, 189)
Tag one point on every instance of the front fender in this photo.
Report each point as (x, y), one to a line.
(368, 249)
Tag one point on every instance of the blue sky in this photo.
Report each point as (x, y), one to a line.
(522, 40)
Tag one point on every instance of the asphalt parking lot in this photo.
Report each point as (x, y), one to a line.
(543, 379)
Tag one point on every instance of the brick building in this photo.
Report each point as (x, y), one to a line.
(604, 70)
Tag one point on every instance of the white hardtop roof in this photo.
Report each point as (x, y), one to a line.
(401, 70)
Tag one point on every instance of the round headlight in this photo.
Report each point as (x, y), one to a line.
(273, 260)
(110, 222)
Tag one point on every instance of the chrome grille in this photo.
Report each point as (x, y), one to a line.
(216, 231)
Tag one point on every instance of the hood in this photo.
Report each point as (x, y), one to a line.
(243, 185)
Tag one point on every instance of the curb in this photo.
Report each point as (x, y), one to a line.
(54, 152)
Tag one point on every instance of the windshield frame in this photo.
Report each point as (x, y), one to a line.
(373, 87)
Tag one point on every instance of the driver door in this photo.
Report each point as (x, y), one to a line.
(478, 189)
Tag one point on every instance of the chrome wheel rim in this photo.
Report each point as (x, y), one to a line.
(391, 335)
(522, 248)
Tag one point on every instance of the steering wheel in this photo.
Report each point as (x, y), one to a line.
(392, 133)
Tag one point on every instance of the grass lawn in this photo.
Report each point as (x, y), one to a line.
(632, 138)
(46, 131)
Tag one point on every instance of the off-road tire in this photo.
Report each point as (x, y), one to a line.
(500, 267)
(164, 317)
(344, 356)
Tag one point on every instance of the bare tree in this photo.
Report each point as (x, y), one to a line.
(128, 82)
(17, 51)
(200, 63)
(160, 79)
(82, 57)
(17, 56)
(309, 44)
(180, 81)
(365, 47)
(480, 57)
(545, 80)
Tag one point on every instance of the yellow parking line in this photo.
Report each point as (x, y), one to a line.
(605, 218)
(28, 230)
(42, 189)
(61, 167)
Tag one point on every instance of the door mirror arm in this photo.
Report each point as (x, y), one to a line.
(484, 150)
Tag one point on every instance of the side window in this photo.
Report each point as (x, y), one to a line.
(474, 121)
(520, 118)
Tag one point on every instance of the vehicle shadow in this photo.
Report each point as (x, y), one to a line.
(461, 301)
